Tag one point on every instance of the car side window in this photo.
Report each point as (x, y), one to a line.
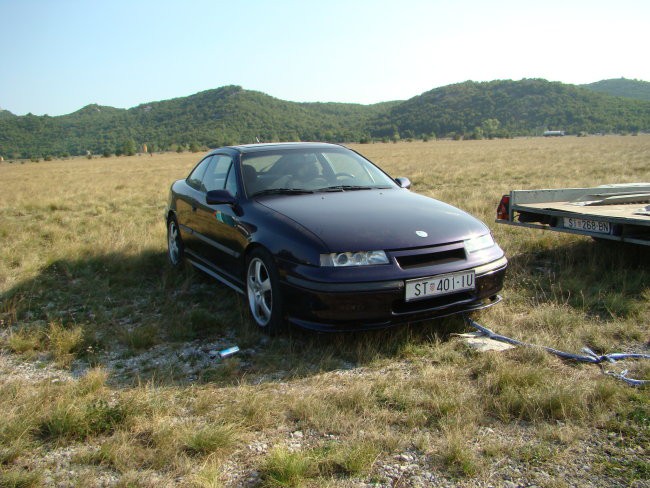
(231, 180)
(216, 173)
(196, 177)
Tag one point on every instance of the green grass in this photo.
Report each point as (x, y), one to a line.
(19, 478)
(286, 468)
(85, 287)
(210, 439)
(283, 468)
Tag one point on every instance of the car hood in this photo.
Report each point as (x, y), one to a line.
(376, 219)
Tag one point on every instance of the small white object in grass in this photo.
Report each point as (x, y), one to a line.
(481, 343)
(228, 352)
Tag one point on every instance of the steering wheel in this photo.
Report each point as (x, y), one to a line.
(344, 175)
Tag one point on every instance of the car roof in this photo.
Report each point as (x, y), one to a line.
(274, 146)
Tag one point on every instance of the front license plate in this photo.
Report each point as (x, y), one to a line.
(587, 225)
(439, 285)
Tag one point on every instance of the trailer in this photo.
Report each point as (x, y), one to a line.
(611, 212)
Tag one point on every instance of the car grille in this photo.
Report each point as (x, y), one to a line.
(410, 261)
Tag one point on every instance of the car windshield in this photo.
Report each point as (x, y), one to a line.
(307, 170)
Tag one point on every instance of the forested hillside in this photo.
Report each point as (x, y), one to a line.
(622, 87)
(227, 115)
(509, 108)
(232, 115)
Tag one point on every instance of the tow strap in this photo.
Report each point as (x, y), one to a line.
(589, 357)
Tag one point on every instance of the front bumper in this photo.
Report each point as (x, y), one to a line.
(380, 304)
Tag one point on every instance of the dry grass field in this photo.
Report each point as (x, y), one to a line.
(109, 374)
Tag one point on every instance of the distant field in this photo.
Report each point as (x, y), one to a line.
(139, 399)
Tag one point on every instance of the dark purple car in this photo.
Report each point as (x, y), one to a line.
(316, 235)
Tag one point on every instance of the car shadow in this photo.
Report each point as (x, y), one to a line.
(605, 279)
(143, 321)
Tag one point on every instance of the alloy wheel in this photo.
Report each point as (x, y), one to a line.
(260, 291)
(173, 243)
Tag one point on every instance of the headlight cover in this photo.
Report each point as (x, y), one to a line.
(358, 258)
(479, 243)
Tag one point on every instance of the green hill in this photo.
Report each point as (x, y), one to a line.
(622, 87)
(231, 115)
(226, 115)
(505, 108)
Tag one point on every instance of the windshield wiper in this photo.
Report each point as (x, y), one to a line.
(345, 188)
(282, 191)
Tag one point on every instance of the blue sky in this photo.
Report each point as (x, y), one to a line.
(57, 56)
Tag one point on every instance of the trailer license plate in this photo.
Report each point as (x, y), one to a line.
(439, 285)
(587, 225)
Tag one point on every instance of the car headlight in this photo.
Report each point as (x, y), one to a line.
(479, 243)
(359, 258)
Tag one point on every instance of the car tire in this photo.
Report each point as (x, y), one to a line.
(175, 246)
(263, 291)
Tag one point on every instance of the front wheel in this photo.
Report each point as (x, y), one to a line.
(263, 291)
(175, 249)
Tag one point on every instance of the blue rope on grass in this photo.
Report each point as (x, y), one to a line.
(590, 357)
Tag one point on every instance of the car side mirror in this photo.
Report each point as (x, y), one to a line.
(219, 197)
(403, 182)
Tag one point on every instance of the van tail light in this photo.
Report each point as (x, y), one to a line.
(503, 210)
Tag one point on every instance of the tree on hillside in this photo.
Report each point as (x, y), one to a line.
(129, 147)
(490, 128)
